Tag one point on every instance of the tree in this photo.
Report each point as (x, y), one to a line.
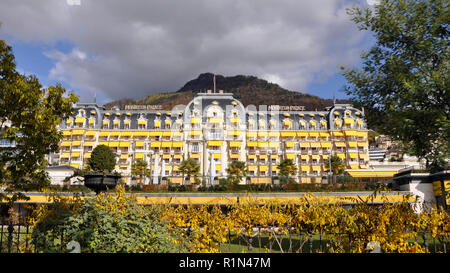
(236, 170)
(139, 168)
(287, 168)
(371, 137)
(404, 79)
(102, 159)
(189, 167)
(104, 224)
(29, 116)
(337, 166)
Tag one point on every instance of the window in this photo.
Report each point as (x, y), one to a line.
(195, 147)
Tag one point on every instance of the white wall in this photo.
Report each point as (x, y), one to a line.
(424, 194)
(57, 177)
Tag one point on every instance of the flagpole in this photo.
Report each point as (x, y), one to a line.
(214, 82)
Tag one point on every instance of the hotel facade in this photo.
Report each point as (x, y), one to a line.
(216, 126)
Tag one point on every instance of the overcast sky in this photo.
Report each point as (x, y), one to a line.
(118, 48)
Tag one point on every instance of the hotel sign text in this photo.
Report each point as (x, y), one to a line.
(286, 108)
(143, 107)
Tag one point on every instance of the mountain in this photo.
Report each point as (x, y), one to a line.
(247, 89)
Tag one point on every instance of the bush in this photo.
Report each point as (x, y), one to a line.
(151, 187)
(105, 224)
(224, 181)
(345, 178)
(180, 188)
(213, 188)
(284, 180)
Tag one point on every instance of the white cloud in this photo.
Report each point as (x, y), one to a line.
(134, 48)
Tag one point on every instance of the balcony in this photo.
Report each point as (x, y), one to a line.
(231, 138)
(214, 136)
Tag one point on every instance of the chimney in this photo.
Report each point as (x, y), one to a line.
(209, 91)
(220, 91)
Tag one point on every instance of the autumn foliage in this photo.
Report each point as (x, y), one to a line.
(396, 227)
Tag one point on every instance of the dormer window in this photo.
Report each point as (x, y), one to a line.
(142, 123)
(287, 123)
(262, 124)
(126, 124)
(157, 123)
(116, 123)
(337, 123)
(91, 123)
(302, 124)
(168, 123)
(105, 124)
(273, 124)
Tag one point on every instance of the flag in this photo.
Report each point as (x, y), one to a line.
(214, 82)
(213, 168)
(163, 169)
(155, 170)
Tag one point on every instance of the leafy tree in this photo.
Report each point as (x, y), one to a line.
(29, 116)
(404, 80)
(102, 159)
(104, 224)
(139, 168)
(236, 170)
(371, 136)
(189, 167)
(287, 168)
(337, 166)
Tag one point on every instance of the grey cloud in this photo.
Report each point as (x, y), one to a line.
(134, 48)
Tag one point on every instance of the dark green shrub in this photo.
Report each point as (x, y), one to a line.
(224, 181)
(102, 159)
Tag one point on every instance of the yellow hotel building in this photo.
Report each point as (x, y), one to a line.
(216, 126)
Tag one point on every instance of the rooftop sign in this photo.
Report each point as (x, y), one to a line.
(286, 108)
(143, 107)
